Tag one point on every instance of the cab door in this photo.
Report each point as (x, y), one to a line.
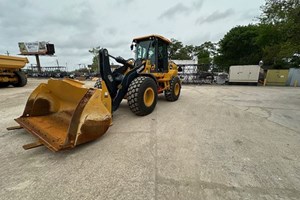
(162, 57)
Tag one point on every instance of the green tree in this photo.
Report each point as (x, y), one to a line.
(179, 52)
(239, 47)
(174, 48)
(206, 52)
(284, 18)
(279, 11)
(95, 64)
(203, 56)
(274, 40)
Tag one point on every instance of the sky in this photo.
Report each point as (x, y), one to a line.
(76, 26)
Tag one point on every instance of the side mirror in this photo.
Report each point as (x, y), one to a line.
(180, 69)
(131, 47)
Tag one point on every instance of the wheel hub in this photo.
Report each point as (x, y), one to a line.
(177, 89)
(148, 97)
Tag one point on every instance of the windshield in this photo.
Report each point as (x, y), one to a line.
(142, 49)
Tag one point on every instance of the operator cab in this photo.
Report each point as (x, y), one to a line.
(153, 48)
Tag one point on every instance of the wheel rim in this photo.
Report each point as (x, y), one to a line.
(177, 89)
(149, 97)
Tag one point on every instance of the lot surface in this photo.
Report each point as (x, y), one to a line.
(215, 142)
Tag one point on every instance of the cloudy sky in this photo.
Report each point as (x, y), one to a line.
(78, 25)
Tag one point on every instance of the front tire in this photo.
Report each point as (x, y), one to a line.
(142, 95)
(22, 79)
(174, 92)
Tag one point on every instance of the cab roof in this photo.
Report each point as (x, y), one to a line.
(151, 36)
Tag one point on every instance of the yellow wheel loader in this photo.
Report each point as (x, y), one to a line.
(63, 113)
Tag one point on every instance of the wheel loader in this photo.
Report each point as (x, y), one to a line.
(63, 113)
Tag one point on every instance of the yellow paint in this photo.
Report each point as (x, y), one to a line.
(63, 114)
(8, 65)
(105, 96)
(149, 97)
(163, 78)
(177, 89)
(153, 35)
(277, 77)
(12, 62)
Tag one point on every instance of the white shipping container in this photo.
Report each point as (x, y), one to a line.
(244, 73)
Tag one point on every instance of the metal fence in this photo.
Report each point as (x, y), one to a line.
(195, 74)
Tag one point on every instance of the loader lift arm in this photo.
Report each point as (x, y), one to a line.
(117, 92)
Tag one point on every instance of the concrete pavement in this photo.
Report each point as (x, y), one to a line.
(215, 142)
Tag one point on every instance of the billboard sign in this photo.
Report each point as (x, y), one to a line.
(29, 48)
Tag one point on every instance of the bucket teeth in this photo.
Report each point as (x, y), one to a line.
(33, 145)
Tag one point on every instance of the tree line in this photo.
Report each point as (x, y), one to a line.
(275, 40)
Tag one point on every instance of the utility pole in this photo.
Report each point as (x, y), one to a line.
(38, 64)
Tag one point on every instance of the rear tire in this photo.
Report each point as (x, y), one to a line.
(142, 95)
(22, 79)
(174, 92)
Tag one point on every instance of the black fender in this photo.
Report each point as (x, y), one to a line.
(151, 76)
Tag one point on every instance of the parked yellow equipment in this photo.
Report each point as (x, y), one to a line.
(64, 114)
(10, 71)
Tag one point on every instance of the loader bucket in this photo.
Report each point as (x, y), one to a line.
(63, 114)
